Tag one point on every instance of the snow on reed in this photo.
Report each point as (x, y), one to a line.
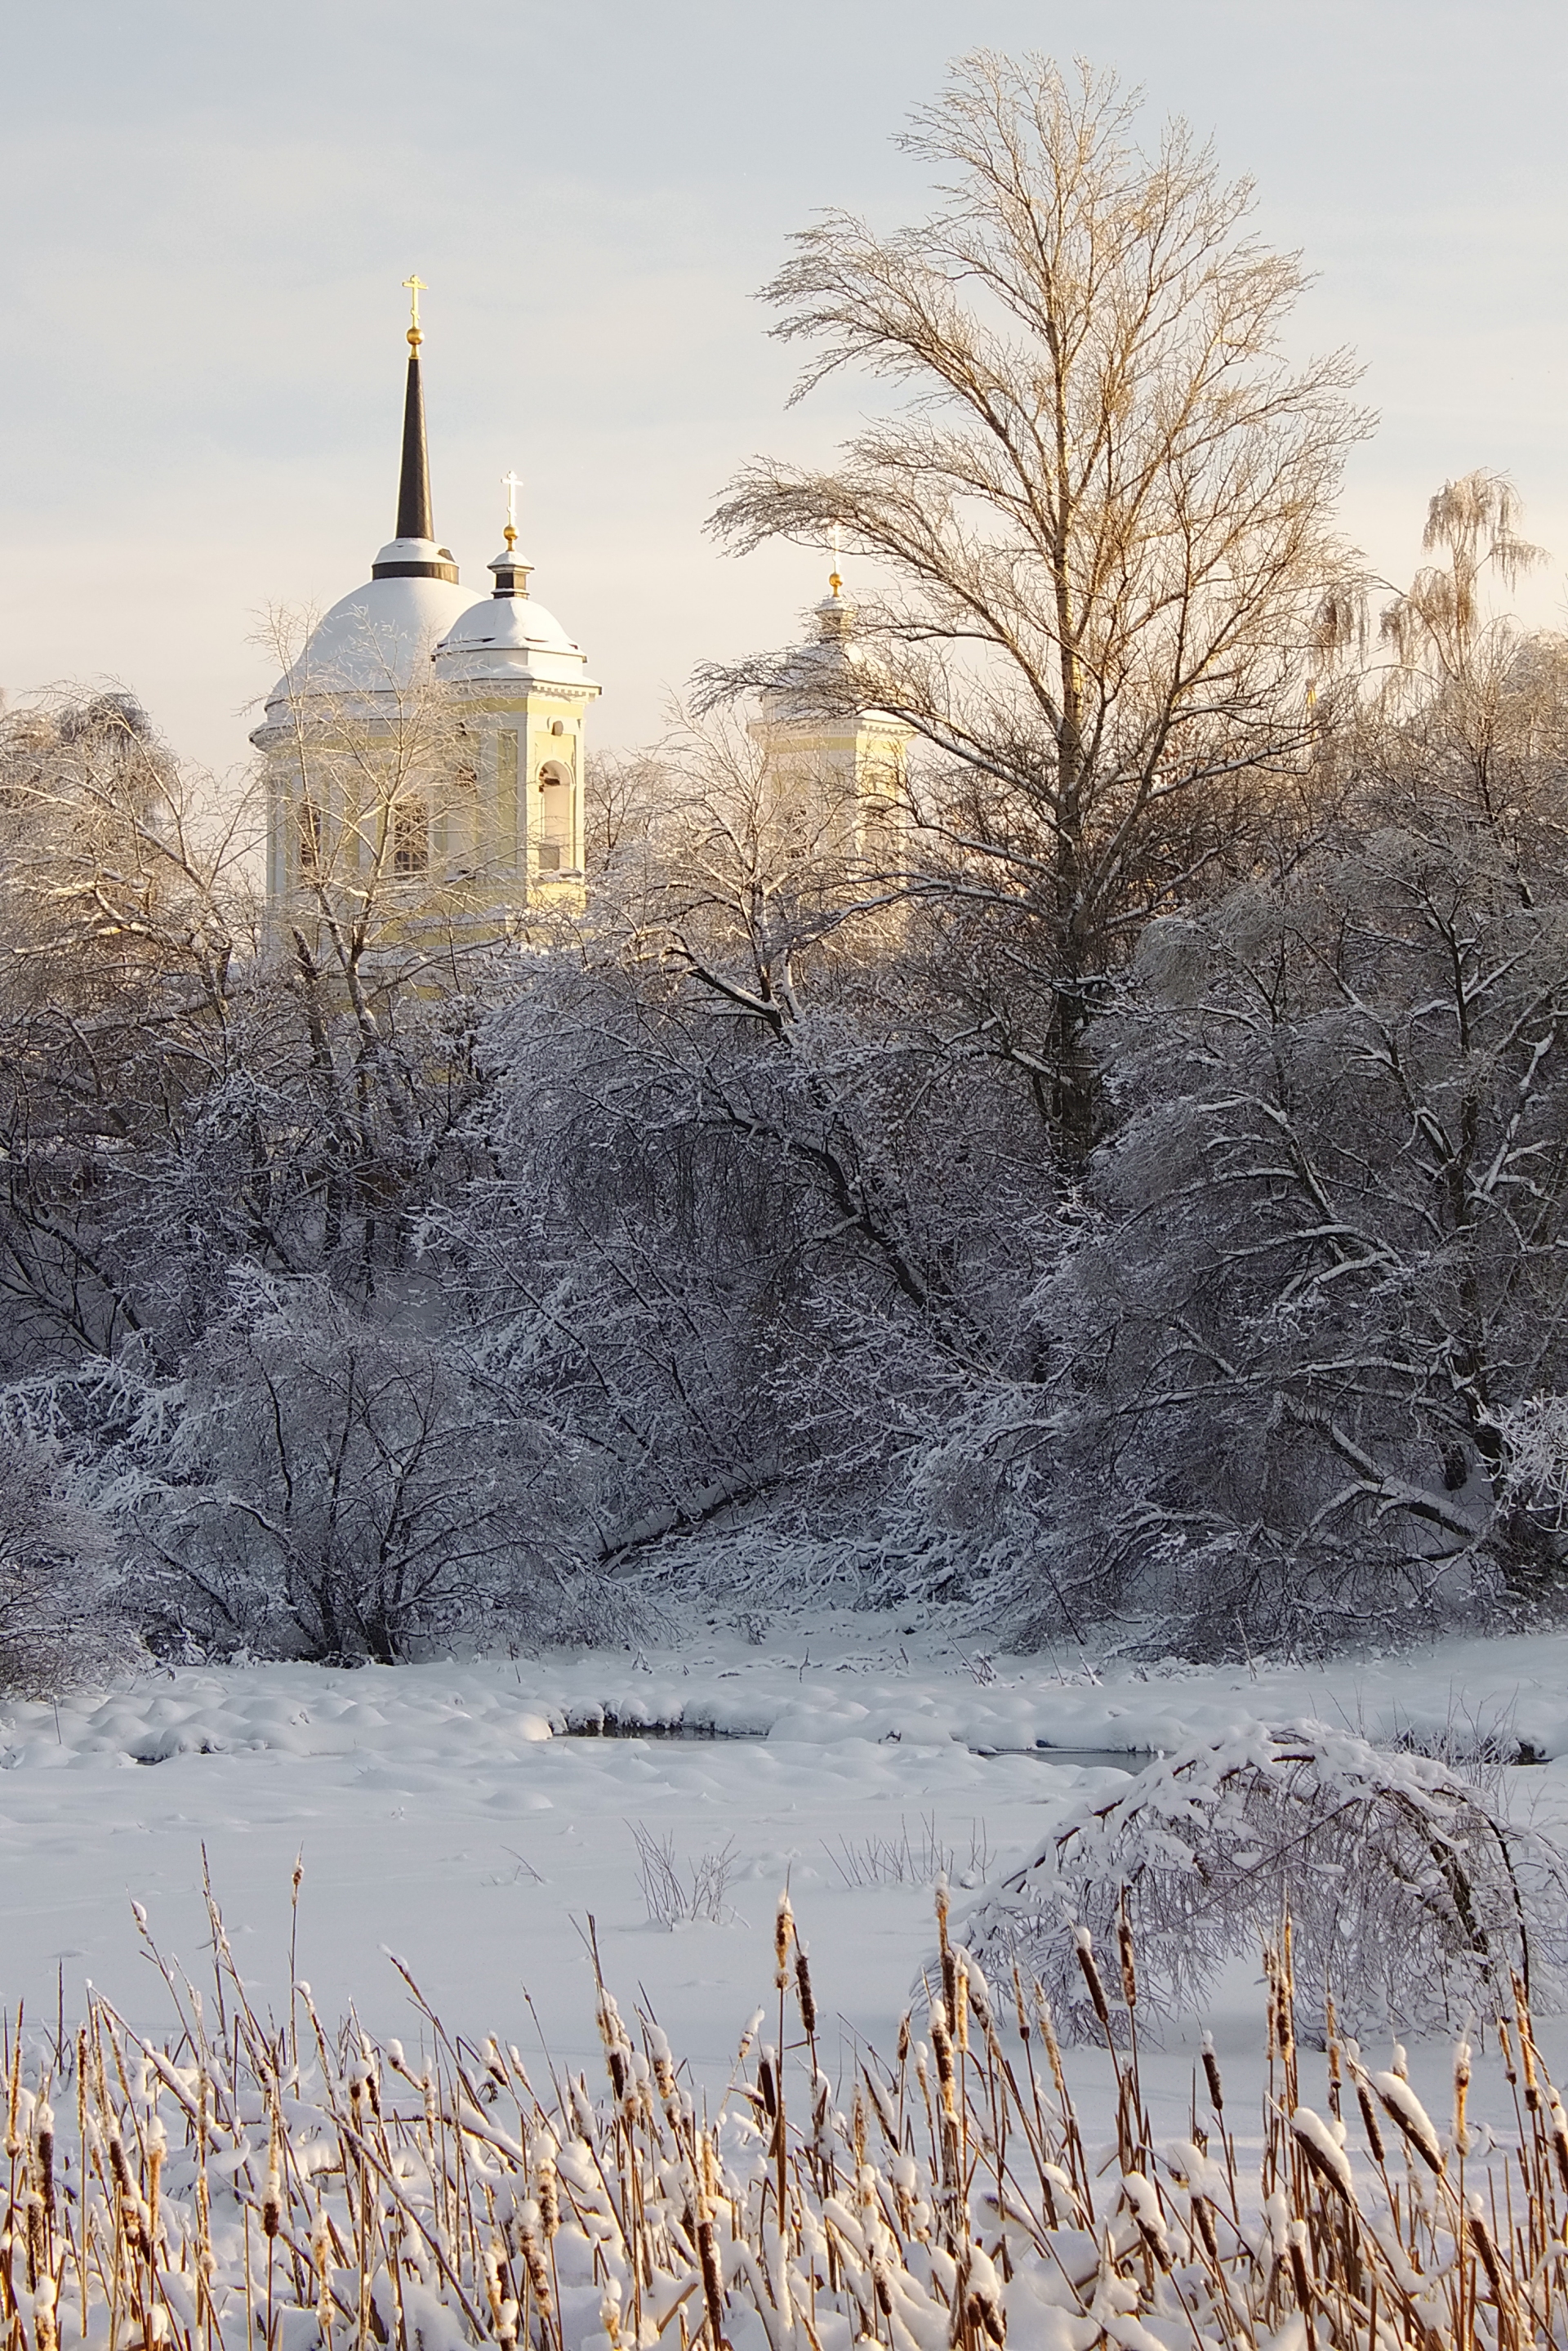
(279, 2186)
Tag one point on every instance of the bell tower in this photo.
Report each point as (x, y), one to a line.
(829, 754)
(524, 691)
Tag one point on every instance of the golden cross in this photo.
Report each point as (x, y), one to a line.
(834, 581)
(415, 286)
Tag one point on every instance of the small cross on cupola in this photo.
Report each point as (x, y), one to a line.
(511, 570)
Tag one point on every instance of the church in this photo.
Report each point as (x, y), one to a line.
(424, 749)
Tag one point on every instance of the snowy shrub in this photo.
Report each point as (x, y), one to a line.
(58, 1621)
(327, 1484)
(1410, 1898)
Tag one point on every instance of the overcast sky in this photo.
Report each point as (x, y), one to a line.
(208, 208)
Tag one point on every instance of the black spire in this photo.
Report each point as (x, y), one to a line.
(414, 520)
(414, 517)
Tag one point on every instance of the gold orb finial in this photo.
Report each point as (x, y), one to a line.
(834, 584)
(415, 286)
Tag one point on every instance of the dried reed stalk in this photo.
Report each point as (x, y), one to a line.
(247, 2188)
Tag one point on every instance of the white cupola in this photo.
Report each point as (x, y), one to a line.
(526, 683)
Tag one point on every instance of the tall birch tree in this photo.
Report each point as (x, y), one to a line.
(1102, 502)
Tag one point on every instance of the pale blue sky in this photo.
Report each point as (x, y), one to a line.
(207, 209)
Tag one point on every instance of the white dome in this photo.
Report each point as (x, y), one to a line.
(510, 636)
(372, 640)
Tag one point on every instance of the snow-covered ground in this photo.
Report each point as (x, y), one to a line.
(450, 1813)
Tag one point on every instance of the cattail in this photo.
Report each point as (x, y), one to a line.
(1369, 2122)
(1298, 2249)
(982, 2302)
(321, 2261)
(45, 2331)
(503, 2310)
(613, 2038)
(1018, 2004)
(1486, 2246)
(157, 2146)
(1557, 2123)
(923, 2076)
(1142, 2199)
(1461, 2086)
(767, 2081)
(1321, 2147)
(713, 2279)
(1272, 2008)
(942, 2043)
(804, 1993)
(1399, 2102)
(663, 2062)
(45, 2122)
(961, 2003)
(1205, 2221)
(546, 2183)
(1526, 2030)
(1124, 1949)
(272, 2202)
(1083, 1943)
(783, 1933)
(820, 2110)
(533, 2251)
(1212, 2074)
(82, 2090)
(1047, 2023)
(944, 1943)
(903, 2048)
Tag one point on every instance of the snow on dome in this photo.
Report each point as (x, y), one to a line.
(372, 638)
(829, 677)
(509, 635)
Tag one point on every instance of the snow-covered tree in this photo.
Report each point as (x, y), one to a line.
(1104, 516)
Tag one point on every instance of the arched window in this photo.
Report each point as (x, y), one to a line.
(554, 835)
(410, 839)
